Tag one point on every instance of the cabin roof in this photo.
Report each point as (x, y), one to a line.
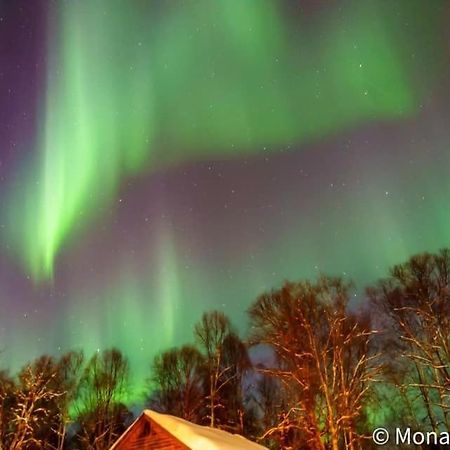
(196, 437)
(199, 437)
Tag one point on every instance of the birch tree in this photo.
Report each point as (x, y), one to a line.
(35, 409)
(226, 360)
(414, 307)
(324, 360)
(177, 383)
(101, 413)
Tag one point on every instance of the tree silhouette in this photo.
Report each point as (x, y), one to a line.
(324, 360)
(35, 416)
(414, 303)
(177, 383)
(226, 360)
(101, 413)
(7, 403)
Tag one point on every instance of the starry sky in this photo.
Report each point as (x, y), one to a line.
(160, 159)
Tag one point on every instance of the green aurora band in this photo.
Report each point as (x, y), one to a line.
(131, 89)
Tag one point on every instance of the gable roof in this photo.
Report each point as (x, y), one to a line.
(195, 437)
(199, 437)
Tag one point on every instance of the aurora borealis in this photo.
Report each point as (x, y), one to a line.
(161, 159)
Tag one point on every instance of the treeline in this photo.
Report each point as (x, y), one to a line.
(329, 372)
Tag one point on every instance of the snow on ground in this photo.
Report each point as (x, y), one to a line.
(198, 437)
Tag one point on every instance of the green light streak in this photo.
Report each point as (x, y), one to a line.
(132, 88)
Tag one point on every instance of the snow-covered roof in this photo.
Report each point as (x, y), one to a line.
(198, 437)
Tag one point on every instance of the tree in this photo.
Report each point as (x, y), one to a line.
(7, 400)
(324, 360)
(226, 361)
(414, 306)
(272, 399)
(177, 383)
(237, 360)
(34, 411)
(69, 373)
(101, 413)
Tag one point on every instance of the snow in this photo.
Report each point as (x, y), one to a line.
(198, 437)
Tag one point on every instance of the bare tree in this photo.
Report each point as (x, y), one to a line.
(273, 400)
(236, 358)
(101, 412)
(324, 360)
(35, 405)
(7, 400)
(69, 373)
(177, 383)
(226, 360)
(415, 310)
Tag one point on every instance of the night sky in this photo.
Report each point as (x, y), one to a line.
(160, 159)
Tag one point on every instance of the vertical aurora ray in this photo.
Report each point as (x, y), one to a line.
(91, 135)
(131, 88)
(139, 312)
(169, 292)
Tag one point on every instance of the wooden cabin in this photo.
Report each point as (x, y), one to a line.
(155, 431)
